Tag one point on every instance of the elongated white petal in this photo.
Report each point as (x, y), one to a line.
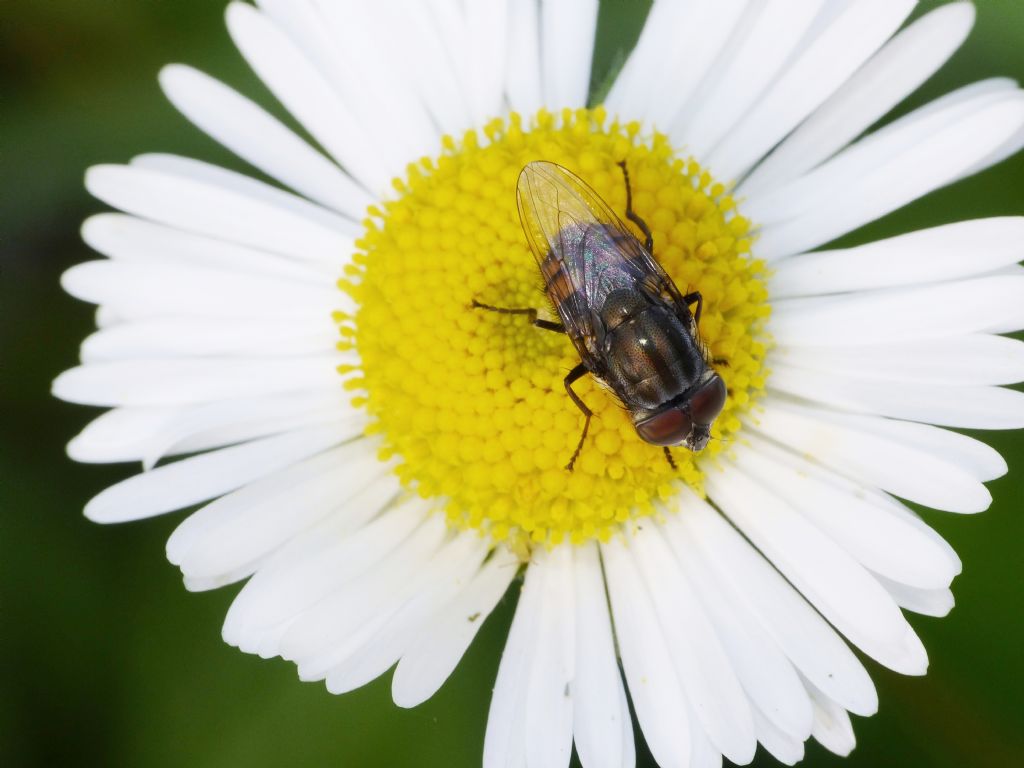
(444, 576)
(261, 140)
(254, 520)
(567, 29)
(208, 475)
(927, 256)
(754, 586)
(660, 705)
(767, 35)
(523, 66)
(903, 315)
(844, 444)
(160, 290)
(441, 644)
(786, 750)
(842, 590)
(951, 406)
(705, 673)
(832, 727)
(208, 209)
(977, 359)
(174, 382)
(549, 692)
(687, 65)
(899, 164)
(324, 558)
(181, 337)
(764, 671)
(902, 64)
(304, 92)
(882, 541)
(505, 739)
(485, 41)
(856, 32)
(127, 238)
(602, 727)
(927, 602)
(150, 433)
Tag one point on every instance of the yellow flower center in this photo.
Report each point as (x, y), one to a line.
(472, 403)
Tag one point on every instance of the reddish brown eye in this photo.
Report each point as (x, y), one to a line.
(708, 401)
(666, 428)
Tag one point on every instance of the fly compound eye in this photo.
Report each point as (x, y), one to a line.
(708, 401)
(669, 427)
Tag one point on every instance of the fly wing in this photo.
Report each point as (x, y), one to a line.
(585, 252)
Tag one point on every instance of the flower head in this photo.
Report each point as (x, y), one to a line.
(381, 454)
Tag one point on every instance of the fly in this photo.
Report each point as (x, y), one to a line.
(633, 329)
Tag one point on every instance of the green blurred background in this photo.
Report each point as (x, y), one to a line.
(108, 661)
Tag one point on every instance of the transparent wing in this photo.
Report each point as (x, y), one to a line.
(585, 252)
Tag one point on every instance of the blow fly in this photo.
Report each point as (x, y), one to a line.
(633, 329)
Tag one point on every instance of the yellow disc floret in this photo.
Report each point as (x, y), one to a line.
(472, 402)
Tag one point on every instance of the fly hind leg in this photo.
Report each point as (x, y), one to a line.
(531, 313)
(573, 376)
(631, 214)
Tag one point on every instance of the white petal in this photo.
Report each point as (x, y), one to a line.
(900, 163)
(764, 671)
(217, 211)
(964, 360)
(549, 694)
(946, 405)
(883, 542)
(819, 69)
(262, 140)
(304, 92)
(900, 315)
(159, 290)
(927, 602)
(179, 337)
(948, 252)
(841, 589)
(255, 520)
(333, 628)
(832, 728)
(326, 557)
(704, 670)
(567, 29)
(849, 445)
(687, 64)
(756, 587)
(786, 750)
(347, 47)
(523, 68)
(505, 739)
(769, 32)
(184, 381)
(127, 238)
(902, 64)
(208, 475)
(433, 657)
(485, 40)
(660, 705)
(601, 723)
(443, 578)
(140, 433)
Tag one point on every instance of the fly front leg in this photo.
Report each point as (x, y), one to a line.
(573, 376)
(631, 214)
(695, 298)
(531, 313)
(670, 460)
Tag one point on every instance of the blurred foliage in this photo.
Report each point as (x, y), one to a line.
(108, 661)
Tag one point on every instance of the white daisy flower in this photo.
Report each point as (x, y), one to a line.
(381, 489)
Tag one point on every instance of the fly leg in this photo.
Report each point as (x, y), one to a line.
(669, 459)
(574, 375)
(695, 298)
(531, 313)
(631, 214)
